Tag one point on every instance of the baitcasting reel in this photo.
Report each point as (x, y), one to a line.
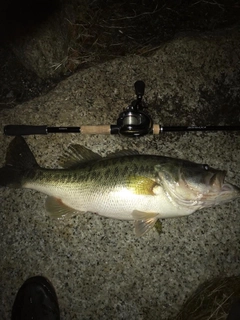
(135, 119)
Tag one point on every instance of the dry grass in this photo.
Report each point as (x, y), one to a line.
(103, 30)
(212, 300)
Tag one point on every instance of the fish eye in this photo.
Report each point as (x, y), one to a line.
(205, 167)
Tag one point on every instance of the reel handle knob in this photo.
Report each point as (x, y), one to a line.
(139, 88)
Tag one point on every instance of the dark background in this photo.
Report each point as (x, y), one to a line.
(119, 27)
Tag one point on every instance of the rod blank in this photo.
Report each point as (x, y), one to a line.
(201, 128)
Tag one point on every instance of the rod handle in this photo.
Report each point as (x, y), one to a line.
(22, 130)
(98, 129)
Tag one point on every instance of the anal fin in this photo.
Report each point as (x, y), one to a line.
(58, 210)
(143, 221)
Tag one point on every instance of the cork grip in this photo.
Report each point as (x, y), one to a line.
(101, 129)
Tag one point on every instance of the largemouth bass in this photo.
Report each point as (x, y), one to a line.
(124, 185)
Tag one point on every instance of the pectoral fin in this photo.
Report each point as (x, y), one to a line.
(143, 221)
(141, 185)
(58, 210)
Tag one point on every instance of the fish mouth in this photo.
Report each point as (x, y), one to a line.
(220, 186)
(223, 190)
(228, 187)
(220, 191)
(217, 181)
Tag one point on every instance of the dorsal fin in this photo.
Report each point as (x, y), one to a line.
(77, 155)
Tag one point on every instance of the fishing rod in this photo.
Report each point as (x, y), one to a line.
(134, 121)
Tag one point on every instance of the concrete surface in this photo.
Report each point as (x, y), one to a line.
(100, 270)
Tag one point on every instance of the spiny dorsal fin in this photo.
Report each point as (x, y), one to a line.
(77, 155)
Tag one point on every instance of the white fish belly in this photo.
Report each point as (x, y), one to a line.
(118, 203)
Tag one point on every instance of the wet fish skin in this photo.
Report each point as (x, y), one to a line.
(125, 186)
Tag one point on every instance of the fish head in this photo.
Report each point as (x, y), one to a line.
(197, 185)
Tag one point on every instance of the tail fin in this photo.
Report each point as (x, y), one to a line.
(19, 160)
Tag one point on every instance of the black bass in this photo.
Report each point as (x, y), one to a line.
(124, 185)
